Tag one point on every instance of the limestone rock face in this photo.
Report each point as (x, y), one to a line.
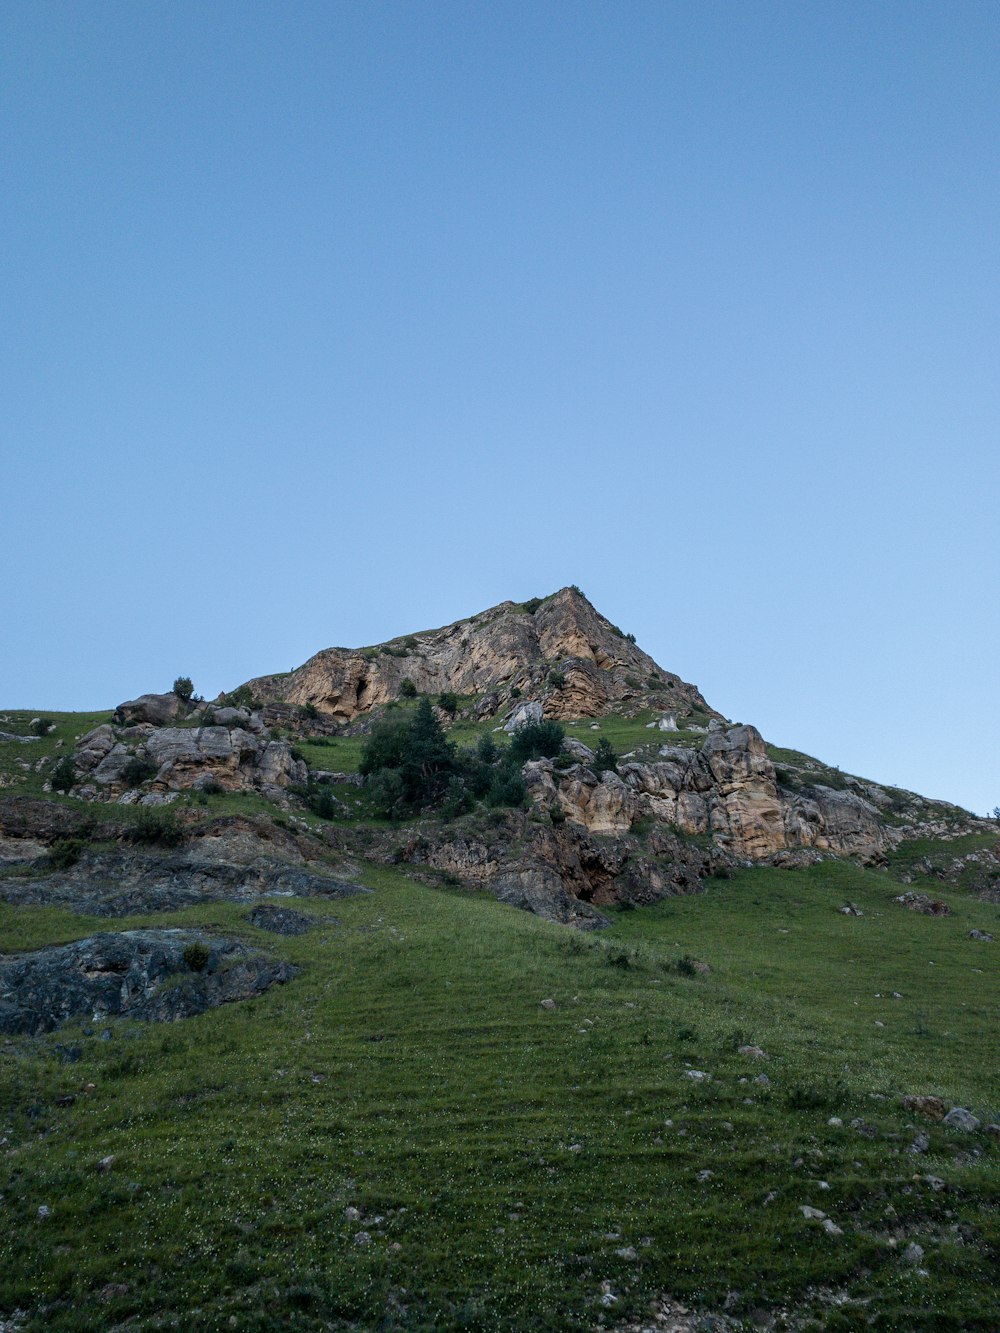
(727, 789)
(183, 757)
(490, 654)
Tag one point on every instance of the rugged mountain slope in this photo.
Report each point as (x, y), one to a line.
(557, 649)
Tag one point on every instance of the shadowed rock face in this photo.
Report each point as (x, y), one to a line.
(157, 975)
(489, 654)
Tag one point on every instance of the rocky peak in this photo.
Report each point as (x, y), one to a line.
(558, 650)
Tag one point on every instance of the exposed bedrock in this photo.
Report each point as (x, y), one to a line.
(146, 974)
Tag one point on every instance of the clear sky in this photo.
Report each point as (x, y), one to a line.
(321, 323)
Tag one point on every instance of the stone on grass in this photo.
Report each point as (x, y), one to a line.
(932, 1107)
(548, 1004)
(959, 1118)
(913, 1253)
(983, 935)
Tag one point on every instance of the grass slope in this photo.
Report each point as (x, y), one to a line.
(506, 1160)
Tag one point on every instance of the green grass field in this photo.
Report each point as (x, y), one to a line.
(506, 1160)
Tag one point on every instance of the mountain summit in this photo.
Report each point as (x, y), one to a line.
(559, 650)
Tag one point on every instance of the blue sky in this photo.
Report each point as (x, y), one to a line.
(320, 323)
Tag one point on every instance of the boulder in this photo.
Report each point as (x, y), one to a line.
(158, 709)
(525, 713)
(542, 892)
(280, 920)
(959, 1118)
(93, 747)
(931, 1107)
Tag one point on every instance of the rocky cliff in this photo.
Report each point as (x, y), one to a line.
(557, 649)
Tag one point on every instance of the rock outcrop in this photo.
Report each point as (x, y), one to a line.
(146, 974)
(232, 860)
(727, 789)
(159, 710)
(235, 751)
(560, 652)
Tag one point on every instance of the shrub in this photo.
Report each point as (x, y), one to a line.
(156, 826)
(212, 787)
(575, 588)
(448, 703)
(515, 693)
(557, 679)
(417, 755)
(42, 726)
(605, 759)
(410, 644)
(321, 800)
(243, 697)
(65, 853)
(311, 711)
(458, 799)
(630, 637)
(63, 775)
(407, 689)
(137, 771)
(532, 605)
(183, 688)
(487, 749)
(196, 955)
(507, 788)
(557, 814)
(536, 740)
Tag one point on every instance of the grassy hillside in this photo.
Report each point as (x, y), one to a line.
(403, 1137)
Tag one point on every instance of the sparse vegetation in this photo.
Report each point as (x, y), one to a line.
(64, 775)
(183, 687)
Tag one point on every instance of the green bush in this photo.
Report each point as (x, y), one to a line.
(156, 825)
(243, 697)
(515, 693)
(138, 771)
(507, 788)
(64, 774)
(183, 687)
(196, 955)
(536, 740)
(42, 726)
(532, 605)
(605, 759)
(65, 853)
(418, 755)
(407, 689)
(458, 800)
(448, 703)
(557, 679)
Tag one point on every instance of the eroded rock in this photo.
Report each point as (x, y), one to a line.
(145, 974)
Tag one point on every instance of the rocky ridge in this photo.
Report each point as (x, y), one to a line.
(561, 651)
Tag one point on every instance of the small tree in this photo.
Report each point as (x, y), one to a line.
(63, 775)
(448, 703)
(536, 740)
(183, 688)
(605, 759)
(407, 689)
